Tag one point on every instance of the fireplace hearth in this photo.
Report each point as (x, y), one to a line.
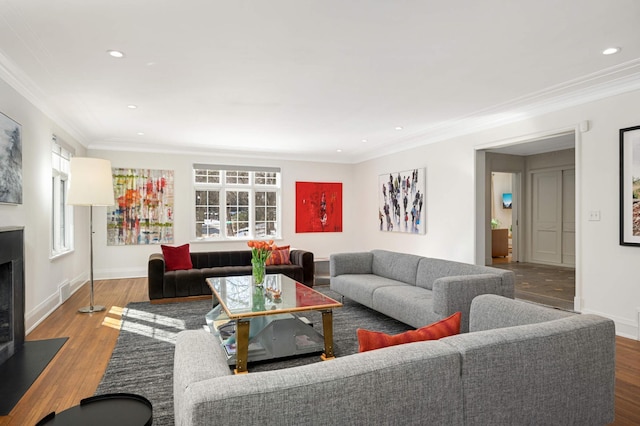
(12, 300)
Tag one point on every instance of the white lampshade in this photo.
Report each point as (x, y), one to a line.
(91, 182)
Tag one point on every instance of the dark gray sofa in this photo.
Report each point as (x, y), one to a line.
(185, 283)
(520, 364)
(414, 289)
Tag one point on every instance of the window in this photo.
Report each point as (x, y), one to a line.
(61, 213)
(236, 202)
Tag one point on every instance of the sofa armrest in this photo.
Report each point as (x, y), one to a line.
(155, 276)
(455, 294)
(350, 263)
(198, 356)
(305, 259)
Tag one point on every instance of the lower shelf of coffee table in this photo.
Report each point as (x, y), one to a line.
(272, 336)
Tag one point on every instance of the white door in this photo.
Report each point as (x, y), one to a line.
(569, 217)
(546, 221)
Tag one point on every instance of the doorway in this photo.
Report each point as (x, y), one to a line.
(502, 207)
(546, 225)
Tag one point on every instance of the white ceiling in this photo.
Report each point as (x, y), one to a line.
(303, 79)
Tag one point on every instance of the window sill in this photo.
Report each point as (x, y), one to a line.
(58, 255)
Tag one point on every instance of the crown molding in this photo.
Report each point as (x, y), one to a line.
(613, 81)
(22, 84)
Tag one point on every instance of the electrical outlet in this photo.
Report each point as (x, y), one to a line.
(594, 215)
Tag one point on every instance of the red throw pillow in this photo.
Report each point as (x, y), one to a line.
(370, 340)
(279, 256)
(176, 258)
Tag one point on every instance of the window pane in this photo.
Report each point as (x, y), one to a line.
(237, 177)
(272, 213)
(207, 176)
(266, 178)
(207, 214)
(63, 218)
(237, 213)
(271, 199)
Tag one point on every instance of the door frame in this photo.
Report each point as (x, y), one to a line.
(482, 184)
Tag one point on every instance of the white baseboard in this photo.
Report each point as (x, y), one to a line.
(34, 317)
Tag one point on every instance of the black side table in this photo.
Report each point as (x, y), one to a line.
(122, 409)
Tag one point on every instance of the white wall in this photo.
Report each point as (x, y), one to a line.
(606, 271)
(607, 280)
(131, 261)
(42, 275)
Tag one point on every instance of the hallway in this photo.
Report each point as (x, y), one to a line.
(548, 285)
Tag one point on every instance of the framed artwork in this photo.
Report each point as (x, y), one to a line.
(401, 202)
(143, 212)
(10, 161)
(318, 207)
(630, 186)
(507, 200)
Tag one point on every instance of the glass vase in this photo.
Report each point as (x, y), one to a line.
(258, 269)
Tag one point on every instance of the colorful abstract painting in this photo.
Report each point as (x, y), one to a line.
(143, 212)
(318, 207)
(401, 202)
(10, 161)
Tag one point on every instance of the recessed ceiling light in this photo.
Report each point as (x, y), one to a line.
(338, 150)
(611, 50)
(115, 53)
(132, 106)
(364, 140)
(399, 128)
(140, 133)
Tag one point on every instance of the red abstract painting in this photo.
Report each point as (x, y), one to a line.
(318, 207)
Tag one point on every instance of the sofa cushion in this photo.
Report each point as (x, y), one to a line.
(176, 258)
(370, 340)
(407, 303)
(396, 266)
(279, 256)
(362, 287)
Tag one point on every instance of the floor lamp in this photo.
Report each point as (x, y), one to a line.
(91, 184)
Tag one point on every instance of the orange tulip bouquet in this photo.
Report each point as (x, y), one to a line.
(260, 252)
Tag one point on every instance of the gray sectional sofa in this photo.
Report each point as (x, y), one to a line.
(519, 364)
(413, 289)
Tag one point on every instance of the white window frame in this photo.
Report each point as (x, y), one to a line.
(61, 230)
(223, 187)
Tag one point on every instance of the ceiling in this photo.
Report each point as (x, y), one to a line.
(304, 79)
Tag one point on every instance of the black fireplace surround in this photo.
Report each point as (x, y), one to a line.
(12, 297)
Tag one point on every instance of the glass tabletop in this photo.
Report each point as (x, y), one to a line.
(241, 298)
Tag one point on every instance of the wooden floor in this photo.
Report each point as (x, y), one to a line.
(77, 369)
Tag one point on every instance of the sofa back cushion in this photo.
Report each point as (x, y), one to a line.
(396, 266)
(214, 259)
(489, 311)
(431, 269)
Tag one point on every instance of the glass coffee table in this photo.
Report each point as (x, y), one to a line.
(256, 323)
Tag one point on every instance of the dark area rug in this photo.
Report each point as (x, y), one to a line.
(142, 361)
(19, 372)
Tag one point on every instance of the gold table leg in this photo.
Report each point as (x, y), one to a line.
(242, 346)
(327, 329)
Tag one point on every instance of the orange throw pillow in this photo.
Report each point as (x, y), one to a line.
(176, 258)
(279, 256)
(370, 340)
